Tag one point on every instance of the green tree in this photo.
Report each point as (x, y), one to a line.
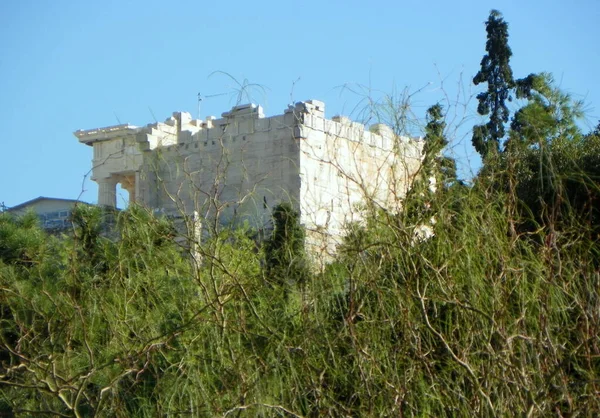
(90, 324)
(548, 115)
(436, 174)
(285, 255)
(435, 163)
(20, 238)
(547, 157)
(496, 72)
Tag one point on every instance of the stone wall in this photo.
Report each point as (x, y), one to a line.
(237, 168)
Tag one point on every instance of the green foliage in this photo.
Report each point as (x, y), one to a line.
(549, 166)
(285, 256)
(548, 115)
(501, 86)
(83, 320)
(496, 72)
(20, 238)
(436, 166)
(474, 321)
(435, 178)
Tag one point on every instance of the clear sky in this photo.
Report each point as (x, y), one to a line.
(67, 65)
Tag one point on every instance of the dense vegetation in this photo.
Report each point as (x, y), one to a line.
(496, 314)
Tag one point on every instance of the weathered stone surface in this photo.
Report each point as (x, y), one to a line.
(241, 166)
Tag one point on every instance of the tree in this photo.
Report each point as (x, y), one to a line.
(496, 72)
(551, 167)
(89, 325)
(284, 251)
(436, 173)
(441, 167)
(548, 115)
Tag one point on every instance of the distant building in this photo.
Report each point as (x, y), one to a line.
(54, 213)
(237, 168)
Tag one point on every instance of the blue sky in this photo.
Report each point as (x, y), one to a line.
(68, 65)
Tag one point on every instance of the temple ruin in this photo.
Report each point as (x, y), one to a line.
(237, 168)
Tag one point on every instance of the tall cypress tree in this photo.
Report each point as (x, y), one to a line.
(436, 174)
(444, 168)
(496, 72)
(285, 255)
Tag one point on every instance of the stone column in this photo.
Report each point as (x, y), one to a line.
(136, 188)
(107, 192)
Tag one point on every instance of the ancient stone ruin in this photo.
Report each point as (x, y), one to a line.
(237, 168)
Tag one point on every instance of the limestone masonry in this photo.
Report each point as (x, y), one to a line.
(239, 167)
